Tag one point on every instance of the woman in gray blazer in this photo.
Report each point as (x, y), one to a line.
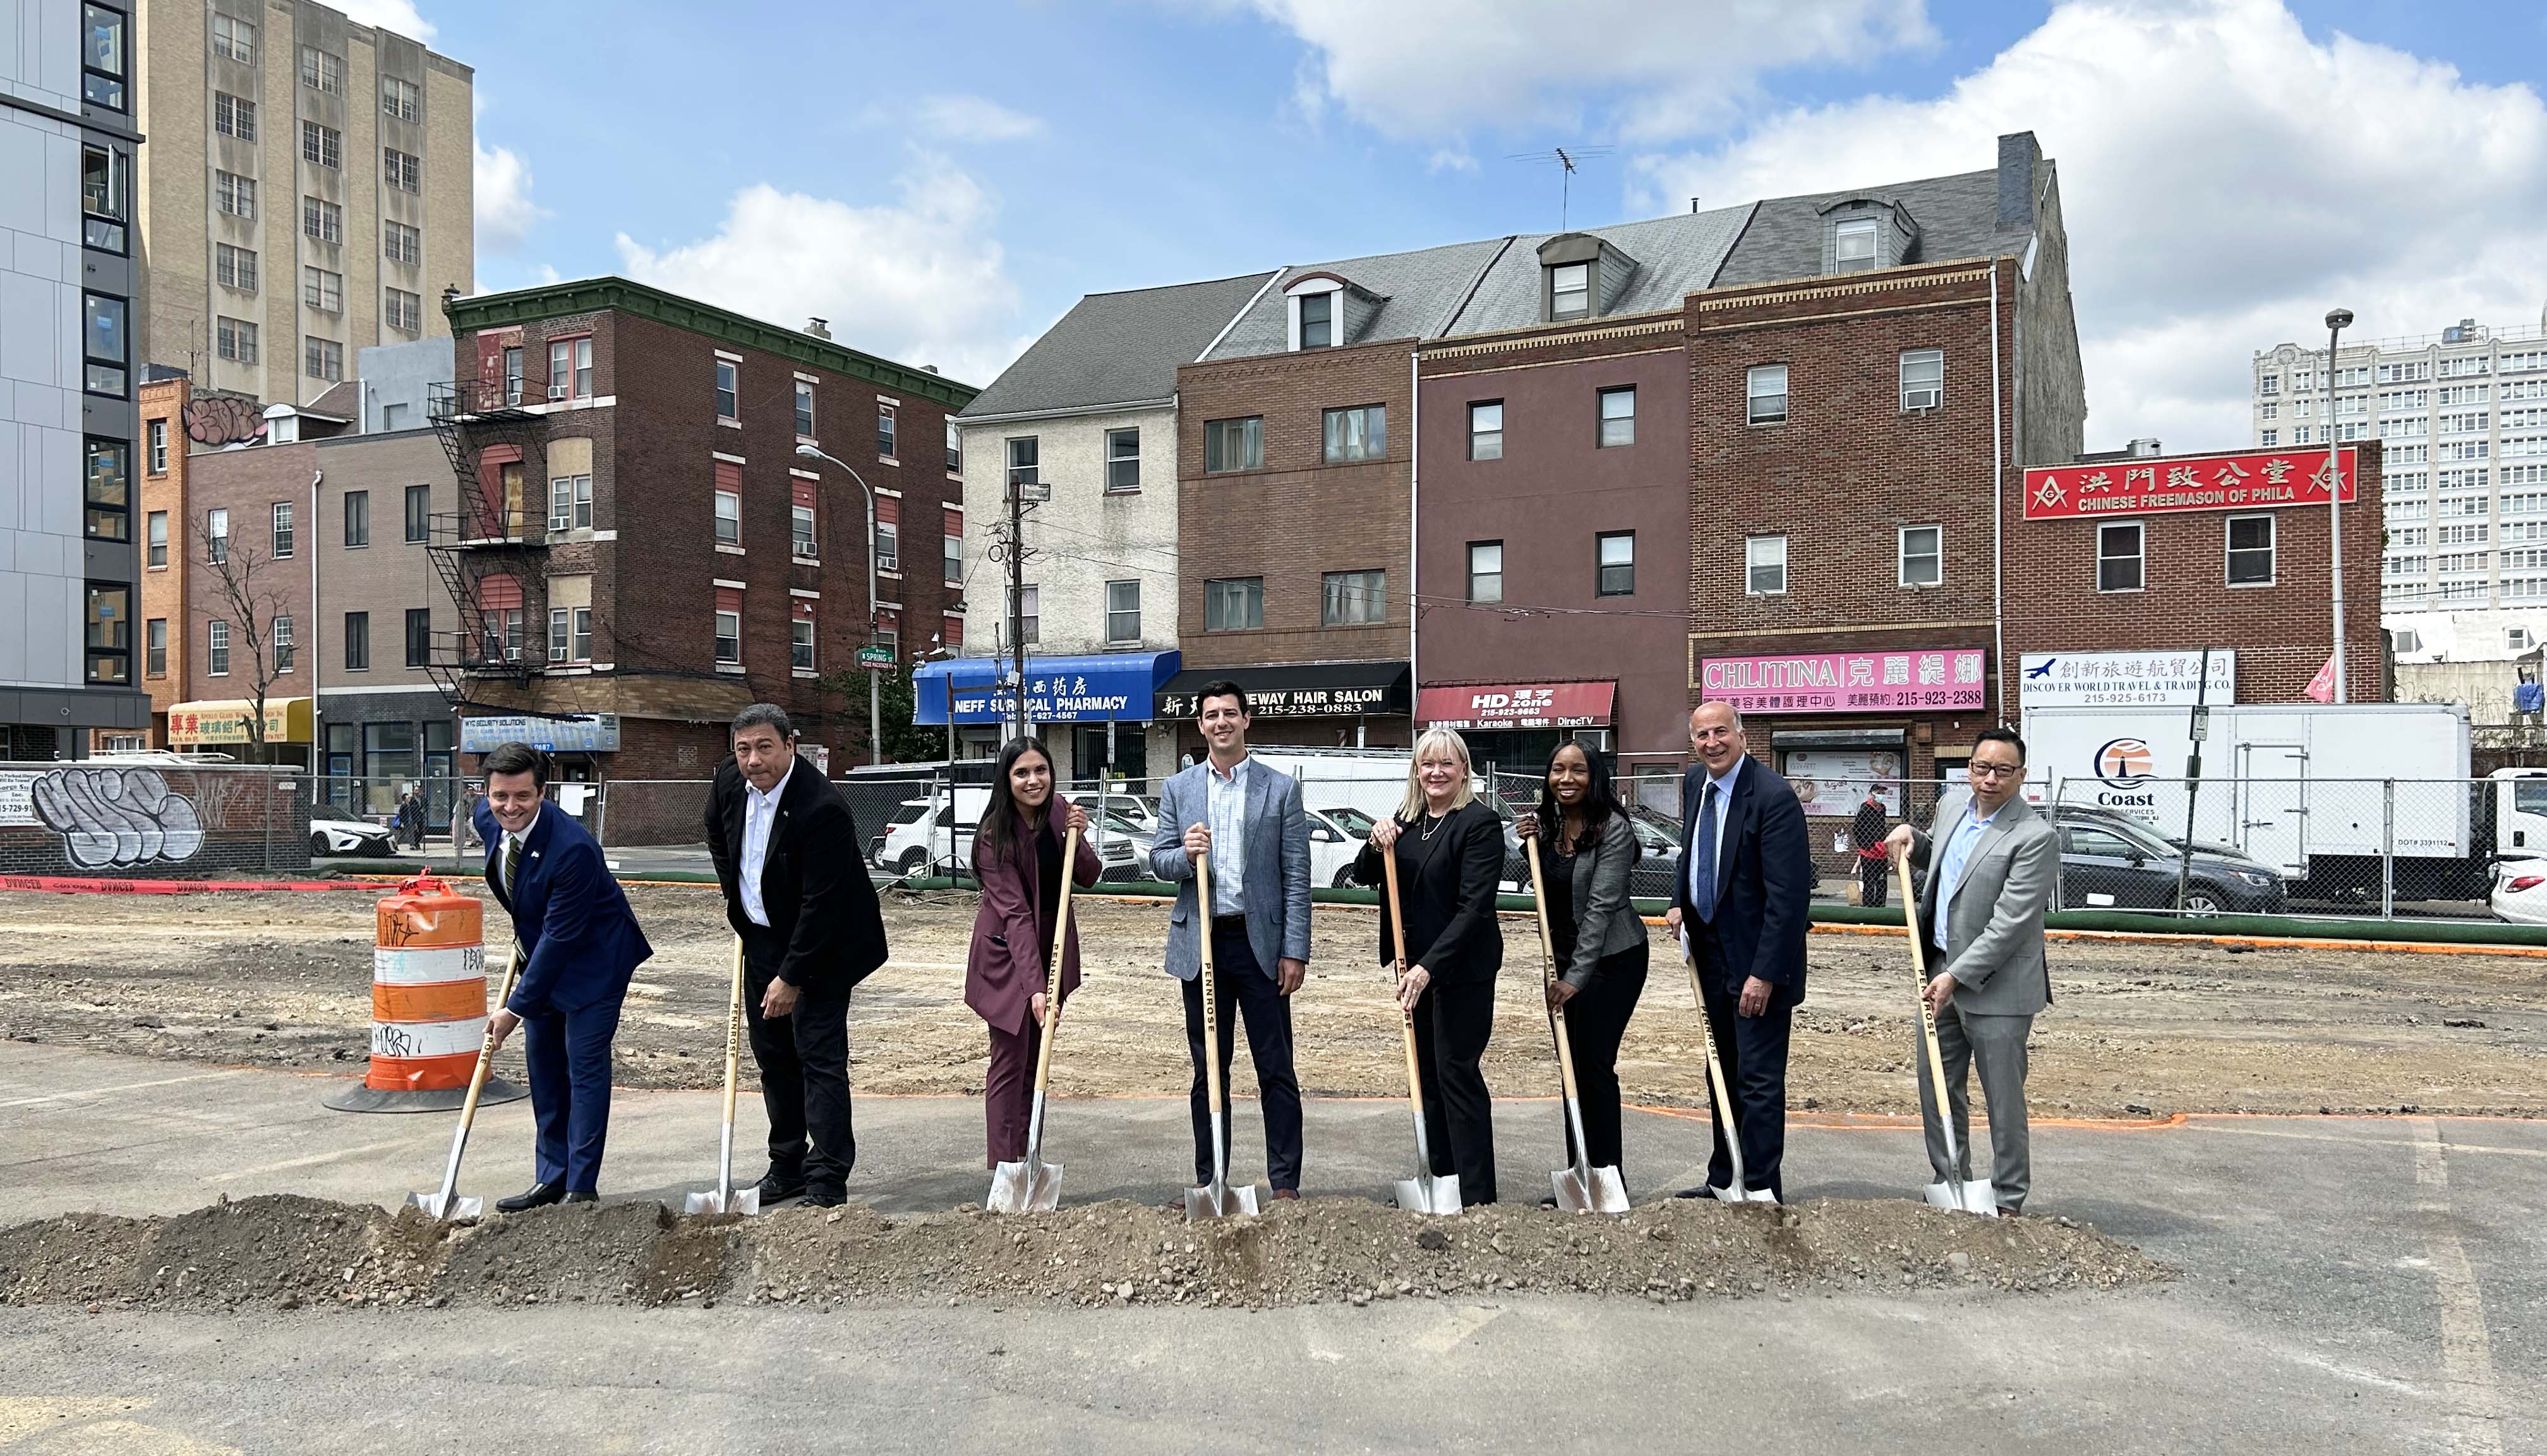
(1600, 939)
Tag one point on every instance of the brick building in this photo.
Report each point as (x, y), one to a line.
(638, 550)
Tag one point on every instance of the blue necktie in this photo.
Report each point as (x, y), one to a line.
(1702, 895)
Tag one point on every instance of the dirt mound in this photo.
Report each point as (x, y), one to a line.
(294, 1252)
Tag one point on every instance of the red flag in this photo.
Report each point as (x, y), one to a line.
(2322, 687)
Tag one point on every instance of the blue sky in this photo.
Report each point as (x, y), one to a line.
(942, 181)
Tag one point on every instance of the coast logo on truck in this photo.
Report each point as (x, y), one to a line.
(2126, 764)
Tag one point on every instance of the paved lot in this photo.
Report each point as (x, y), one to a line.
(2365, 1285)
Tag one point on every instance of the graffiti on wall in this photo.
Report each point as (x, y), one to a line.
(108, 817)
(222, 419)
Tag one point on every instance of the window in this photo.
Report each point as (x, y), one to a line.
(405, 311)
(888, 538)
(157, 537)
(282, 529)
(729, 390)
(399, 99)
(109, 486)
(398, 170)
(234, 37)
(570, 503)
(400, 243)
(804, 409)
(217, 649)
(1354, 598)
(1764, 566)
(1024, 472)
(1485, 571)
(358, 642)
(420, 511)
(1853, 244)
(216, 536)
(2269, 438)
(420, 636)
(1570, 291)
(728, 518)
(1233, 445)
(954, 534)
(1123, 612)
(102, 58)
(885, 432)
(513, 376)
(1766, 394)
(1615, 554)
(322, 290)
(801, 533)
(279, 632)
(2117, 555)
(158, 436)
(1486, 429)
(154, 645)
(234, 196)
(570, 369)
(2517, 639)
(233, 116)
(358, 519)
(800, 644)
(109, 633)
(2250, 551)
(1922, 555)
(322, 359)
(1358, 433)
(1234, 604)
(104, 341)
(955, 449)
(322, 220)
(1122, 461)
(1030, 613)
(571, 634)
(1618, 417)
(106, 196)
(235, 268)
(321, 71)
(1318, 320)
(321, 146)
(1923, 379)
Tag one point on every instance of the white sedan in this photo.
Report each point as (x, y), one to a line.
(2521, 891)
(350, 836)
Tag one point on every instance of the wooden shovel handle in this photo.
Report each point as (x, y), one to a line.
(1053, 972)
(733, 1032)
(1548, 968)
(486, 1050)
(1936, 1057)
(1406, 1018)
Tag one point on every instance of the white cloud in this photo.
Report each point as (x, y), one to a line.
(918, 280)
(1433, 68)
(974, 119)
(2225, 179)
(1453, 159)
(501, 181)
(389, 15)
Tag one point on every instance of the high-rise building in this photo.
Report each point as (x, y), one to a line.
(307, 194)
(67, 367)
(2463, 414)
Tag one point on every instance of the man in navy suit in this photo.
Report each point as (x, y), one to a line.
(1743, 909)
(580, 944)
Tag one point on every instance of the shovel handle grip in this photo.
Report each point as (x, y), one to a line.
(1935, 1055)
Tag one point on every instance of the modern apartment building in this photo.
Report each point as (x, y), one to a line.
(2463, 416)
(308, 193)
(67, 372)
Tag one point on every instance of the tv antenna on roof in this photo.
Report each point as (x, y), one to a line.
(1567, 159)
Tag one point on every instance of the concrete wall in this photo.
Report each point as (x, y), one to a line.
(398, 385)
(2484, 687)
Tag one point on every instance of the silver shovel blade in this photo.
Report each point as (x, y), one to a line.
(1978, 1197)
(1429, 1196)
(1605, 1192)
(455, 1206)
(1220, 1201)
(1742, 1195)
(744, 1201)
(1021, 1187)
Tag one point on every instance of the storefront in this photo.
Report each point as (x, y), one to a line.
(1306, 704)
(1094, 713)
(576, 744)
(1515, 727)
(221, 726)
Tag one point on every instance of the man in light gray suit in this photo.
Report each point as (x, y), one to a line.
(1247, 817)
(1981, 916)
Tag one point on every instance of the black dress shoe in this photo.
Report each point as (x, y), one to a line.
(583, 1195)
(1701, 1191)
(540, 1195)
(777, 1188)
(826, 1197)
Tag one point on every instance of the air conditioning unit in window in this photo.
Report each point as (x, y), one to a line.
(512, 654)
(1922, 398)
(807, 552)
(558, 389)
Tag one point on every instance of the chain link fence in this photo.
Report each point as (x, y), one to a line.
(153, 816)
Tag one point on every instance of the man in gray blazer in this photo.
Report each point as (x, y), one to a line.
(1981, 914)
(1247, 815)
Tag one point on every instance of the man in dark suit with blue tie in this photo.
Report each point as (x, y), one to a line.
(581, 945)
(1743, 910)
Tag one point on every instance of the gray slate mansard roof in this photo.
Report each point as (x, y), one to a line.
(1958, 217)
(1675, 256)
(1116, 348)
(1423, 291)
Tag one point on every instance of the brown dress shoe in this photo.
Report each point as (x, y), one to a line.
(1281, 1193)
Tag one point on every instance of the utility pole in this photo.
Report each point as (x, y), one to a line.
(2337, 321)
(1017, 591)
(2197, 728)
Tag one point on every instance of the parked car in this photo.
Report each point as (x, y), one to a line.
(1335, 835)
(335, 836)
(1138, 811)
(915, 837)
(2519, 891)
(2110, 861)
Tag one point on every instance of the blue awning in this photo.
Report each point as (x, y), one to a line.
(1110, 686)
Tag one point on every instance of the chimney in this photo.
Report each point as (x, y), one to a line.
(1693, 204)
(932, 368)
(819, 328)
(2144, 447)
(2019, 156)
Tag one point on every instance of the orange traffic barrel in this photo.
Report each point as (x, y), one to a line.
(429, 1002)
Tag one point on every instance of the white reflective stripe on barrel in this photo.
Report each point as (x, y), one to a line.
(428, 964)
(428, 1038)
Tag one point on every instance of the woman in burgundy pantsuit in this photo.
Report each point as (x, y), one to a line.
(1016, 855)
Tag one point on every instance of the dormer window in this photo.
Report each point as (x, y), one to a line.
(1326, 311)
(1318, 320)
(1570, 291)
(1854, 243)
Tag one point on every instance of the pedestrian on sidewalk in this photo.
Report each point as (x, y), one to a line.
(796, 891)
(580, 944)
(1011, 970)
(1450, 853)
(1866, 836)
(1588, 848)
(1246, 818)
(1980, 916)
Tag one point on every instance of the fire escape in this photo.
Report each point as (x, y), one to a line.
(492, 554)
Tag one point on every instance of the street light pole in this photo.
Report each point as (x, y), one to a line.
(2337, 321)
(875, 688)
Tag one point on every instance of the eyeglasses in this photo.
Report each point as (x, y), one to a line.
(1981, 770)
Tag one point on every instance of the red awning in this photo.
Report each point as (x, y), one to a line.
(1517, 704)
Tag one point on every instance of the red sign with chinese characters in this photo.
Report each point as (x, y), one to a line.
(2256, 479)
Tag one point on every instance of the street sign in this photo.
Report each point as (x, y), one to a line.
(2201, 724)
(876, 659)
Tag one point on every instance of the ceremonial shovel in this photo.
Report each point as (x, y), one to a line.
(1970, 1195)
(1034, 1185)
(725, 1197)
(1215, 1199)
(1425, 1192)
(1581, 1188)
(444, 1205)
(1741, 1190)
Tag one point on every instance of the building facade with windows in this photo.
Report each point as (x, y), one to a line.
(69, 568)
(309, 195)
(638, 550)
(1085, 421)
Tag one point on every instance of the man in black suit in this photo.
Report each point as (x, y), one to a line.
(796, 889)
(1743, 910)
